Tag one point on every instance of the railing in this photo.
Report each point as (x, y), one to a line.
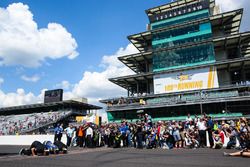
(176, 99)
(223, 86)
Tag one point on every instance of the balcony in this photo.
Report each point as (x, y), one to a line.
(237, 92)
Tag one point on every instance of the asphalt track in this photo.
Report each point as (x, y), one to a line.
(125, 157)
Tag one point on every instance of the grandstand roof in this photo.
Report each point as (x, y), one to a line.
(46, 107)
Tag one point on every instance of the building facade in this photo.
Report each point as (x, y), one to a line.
(193, 59)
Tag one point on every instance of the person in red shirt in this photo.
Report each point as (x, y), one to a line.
(222, 135)
(219, 139)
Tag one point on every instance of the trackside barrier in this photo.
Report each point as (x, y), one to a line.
(27, 139)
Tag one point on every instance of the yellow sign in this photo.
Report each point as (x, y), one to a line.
(203, 78)
(184, 86)
(79, 118)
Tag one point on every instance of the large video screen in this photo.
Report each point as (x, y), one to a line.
(53, 96)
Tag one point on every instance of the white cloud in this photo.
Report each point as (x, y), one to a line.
(228, 5)
(33, 78)
(23, 43)
(19, 98)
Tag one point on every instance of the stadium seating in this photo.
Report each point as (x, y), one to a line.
(16, 124)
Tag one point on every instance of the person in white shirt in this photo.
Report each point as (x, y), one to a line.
(89, 135)
(69, 133)
(201, 124)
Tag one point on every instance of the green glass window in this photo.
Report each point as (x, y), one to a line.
(193, 33)
(185, 57)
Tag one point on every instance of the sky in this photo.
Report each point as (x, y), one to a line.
(71, 44)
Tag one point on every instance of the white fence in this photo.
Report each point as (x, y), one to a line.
(27, 139)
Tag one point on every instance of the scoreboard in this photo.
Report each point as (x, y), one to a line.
(53, 96)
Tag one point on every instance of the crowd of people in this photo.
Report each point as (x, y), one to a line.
(16, 124)
(192, 133)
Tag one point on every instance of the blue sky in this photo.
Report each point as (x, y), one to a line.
(91, 33)
(99, 28)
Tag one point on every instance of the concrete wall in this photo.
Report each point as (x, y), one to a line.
(27, 139)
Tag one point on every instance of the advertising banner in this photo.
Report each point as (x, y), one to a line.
(203, 78)
(86, 119)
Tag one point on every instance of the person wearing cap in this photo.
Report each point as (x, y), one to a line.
(151, 140)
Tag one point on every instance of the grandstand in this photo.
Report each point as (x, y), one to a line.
(19, 124)
(37, 118)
